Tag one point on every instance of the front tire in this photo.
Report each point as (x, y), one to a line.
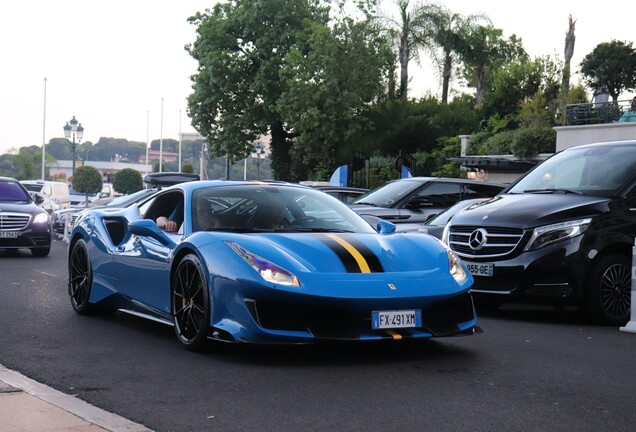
(80, 279)
(609, 290)
(191, 303)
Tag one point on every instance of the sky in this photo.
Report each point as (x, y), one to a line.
(121, 69)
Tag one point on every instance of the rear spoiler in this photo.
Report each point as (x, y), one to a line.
(164, 179)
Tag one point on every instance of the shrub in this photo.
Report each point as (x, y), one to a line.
(87, 180)
(128, 181)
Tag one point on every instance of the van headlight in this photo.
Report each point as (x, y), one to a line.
(548, 234)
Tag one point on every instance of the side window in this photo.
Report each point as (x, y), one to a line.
(472, 191)
(168, 204)
(47, 190)
(438, 195)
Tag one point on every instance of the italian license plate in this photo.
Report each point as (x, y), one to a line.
(396, 319)
(480, 269)
(8, 234)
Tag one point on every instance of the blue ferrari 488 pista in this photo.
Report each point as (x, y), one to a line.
(267, 263)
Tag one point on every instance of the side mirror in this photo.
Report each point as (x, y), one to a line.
(385, 227)
(147, 228)
(39, 199)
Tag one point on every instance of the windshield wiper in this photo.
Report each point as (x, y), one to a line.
(553, 190)
(365, 203)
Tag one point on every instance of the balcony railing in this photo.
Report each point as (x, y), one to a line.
(596, 113)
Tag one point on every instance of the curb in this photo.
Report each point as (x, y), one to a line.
(104, 419)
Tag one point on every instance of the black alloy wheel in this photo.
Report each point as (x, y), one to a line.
(191, 303)
(609, 293)
(80, 278)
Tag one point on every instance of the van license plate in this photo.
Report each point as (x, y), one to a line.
(480, 269)
(8, 234)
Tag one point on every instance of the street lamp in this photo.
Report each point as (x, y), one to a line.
(258, 153)
(73, 129)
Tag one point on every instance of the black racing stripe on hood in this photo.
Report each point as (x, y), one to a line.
(372, 259)
(348, 261)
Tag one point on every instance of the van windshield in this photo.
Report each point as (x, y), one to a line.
(600, 170)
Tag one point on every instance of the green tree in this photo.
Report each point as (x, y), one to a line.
(87, 180)
(517, 82)
(240, 48)
(27, 165)
(610, 67)
(488, 51)
(413, 31)
(325, 102)
(187, 168)
(128, 181)
(451, 35)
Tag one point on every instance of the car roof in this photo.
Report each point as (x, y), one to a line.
(448, 180)
(604, 143)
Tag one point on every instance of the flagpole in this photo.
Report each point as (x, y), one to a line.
(147, 135)
(179, 140)
(161, 140)
(44, 134)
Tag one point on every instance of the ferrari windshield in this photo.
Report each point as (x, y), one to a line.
(279, 208)
(598, 170)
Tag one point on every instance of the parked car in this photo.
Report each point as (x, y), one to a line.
(59, 192)
(228, 273)
(416, 199)
(23, 223)
(346, 194)
(563, 233)
(435, 225)
(45, 202)
(78, 199)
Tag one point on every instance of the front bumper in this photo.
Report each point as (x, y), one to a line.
(555, 272)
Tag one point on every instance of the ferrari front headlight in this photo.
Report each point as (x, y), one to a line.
(266, 269)
(548, 234)
(455, 266)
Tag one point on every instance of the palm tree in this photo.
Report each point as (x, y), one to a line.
(452, 36)
(413, 31)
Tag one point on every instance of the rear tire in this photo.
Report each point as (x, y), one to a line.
(609, 290)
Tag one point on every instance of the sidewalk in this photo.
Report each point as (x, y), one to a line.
(28, 406)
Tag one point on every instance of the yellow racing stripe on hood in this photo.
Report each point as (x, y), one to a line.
(362, 263)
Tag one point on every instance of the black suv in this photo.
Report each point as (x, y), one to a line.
(23, 223)
(414, 200)
(563, 233)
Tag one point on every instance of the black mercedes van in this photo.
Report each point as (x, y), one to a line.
(562, 233)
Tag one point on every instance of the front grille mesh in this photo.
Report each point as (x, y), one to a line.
(13, 221)
(499, 241)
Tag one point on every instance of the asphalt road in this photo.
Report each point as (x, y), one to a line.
(532, 369)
